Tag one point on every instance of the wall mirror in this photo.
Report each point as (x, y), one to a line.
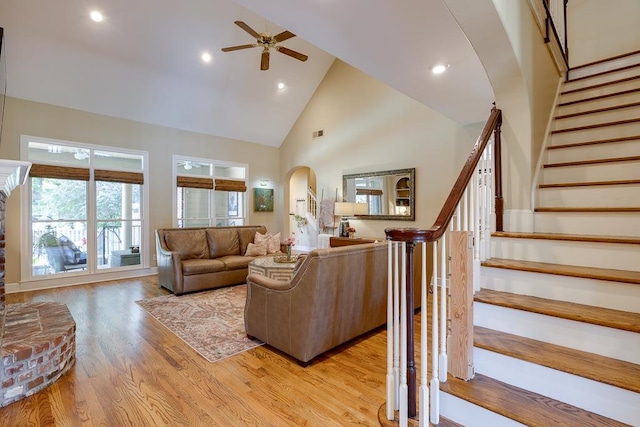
(388, 194)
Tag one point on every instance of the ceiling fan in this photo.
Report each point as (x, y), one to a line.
(267, 42)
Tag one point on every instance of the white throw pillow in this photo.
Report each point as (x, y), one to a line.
(256, 249)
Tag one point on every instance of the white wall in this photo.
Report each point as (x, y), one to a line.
(36, 119)
(600, 29)
(369, 126)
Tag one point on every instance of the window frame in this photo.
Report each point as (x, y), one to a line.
(26, 266)
(213, 218)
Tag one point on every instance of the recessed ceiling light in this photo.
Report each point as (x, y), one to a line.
(206, 57)
(439, 68)
(96, 16)
(281, 86)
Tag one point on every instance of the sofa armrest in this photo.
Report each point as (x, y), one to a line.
(169, 267)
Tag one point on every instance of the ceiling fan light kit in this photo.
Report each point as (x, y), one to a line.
(267, 42)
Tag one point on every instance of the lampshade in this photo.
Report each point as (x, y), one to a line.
(361, 209)
(343, 209)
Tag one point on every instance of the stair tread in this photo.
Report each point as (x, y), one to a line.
(591, 183)
(521, 405)
(595, 142)
(597, 125)
(598, 110)
(593, 162)
(571, 237)
(600, 85)
(602, 73)
(566, 310)
(595, 98)
(588, 210)
(623, 276)
(618, 373)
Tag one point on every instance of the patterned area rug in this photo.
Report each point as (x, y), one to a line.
(211, 322)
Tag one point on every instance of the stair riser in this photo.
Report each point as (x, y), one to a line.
(581, 107)
(602, 117)
(599, 91)
(593, 172)
(605, 66)
(601, 79)
(603, 399)
(594, 196)
(599, 255)
(470, 415)
(594, 152)
(596, 134)
(601, 293)
(608, 342)
(601, 224)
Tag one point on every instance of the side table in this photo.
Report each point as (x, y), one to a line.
(266, 266)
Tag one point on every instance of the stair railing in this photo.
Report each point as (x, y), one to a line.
(312, 203)
(475, 201)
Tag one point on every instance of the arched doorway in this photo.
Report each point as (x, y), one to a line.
(301, 206)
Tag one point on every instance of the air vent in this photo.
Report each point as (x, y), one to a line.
(318, 133)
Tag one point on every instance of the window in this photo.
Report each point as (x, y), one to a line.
(85, 207)
(209, 192)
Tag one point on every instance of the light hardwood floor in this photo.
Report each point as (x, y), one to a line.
(131, 371)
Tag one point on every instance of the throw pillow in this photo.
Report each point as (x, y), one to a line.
(259, 237)
(273, 244)
(256, 249)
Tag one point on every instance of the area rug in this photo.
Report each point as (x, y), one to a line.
(211, 322)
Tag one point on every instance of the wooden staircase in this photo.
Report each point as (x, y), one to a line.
(557, 321)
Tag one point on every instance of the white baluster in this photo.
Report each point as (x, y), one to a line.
(404, 389)
(424, 371)
(443, 365)
(396, 320)
(434, 404)
(391, 382)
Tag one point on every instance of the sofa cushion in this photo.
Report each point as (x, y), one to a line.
(234, 262)
(189, 244)
(201, 266)
(254, 249)
(223, 242)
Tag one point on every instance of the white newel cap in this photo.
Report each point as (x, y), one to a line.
(12, 174)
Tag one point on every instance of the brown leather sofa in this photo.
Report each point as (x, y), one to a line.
(195, 259)
(335, 295)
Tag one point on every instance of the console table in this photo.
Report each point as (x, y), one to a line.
(346, 241)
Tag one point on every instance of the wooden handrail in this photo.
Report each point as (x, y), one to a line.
(441, 223)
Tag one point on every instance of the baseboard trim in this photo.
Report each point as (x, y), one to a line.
(74, 279)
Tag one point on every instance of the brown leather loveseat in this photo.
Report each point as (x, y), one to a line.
(335, 295)
(195, 259)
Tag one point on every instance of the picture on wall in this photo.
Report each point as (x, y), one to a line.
(263, 199)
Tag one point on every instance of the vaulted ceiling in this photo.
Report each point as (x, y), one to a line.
(143, 61)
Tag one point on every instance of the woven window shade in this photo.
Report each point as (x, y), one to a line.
(229, 185)
(368, 192)
(116, 176)
(59, 172)
(195, 182)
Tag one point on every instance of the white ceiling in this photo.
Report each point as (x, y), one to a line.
(143, 62)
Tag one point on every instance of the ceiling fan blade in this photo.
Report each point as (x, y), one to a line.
(244, 46)
(248, 29)
(285, 35)
(264, 61)
(292, 53)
